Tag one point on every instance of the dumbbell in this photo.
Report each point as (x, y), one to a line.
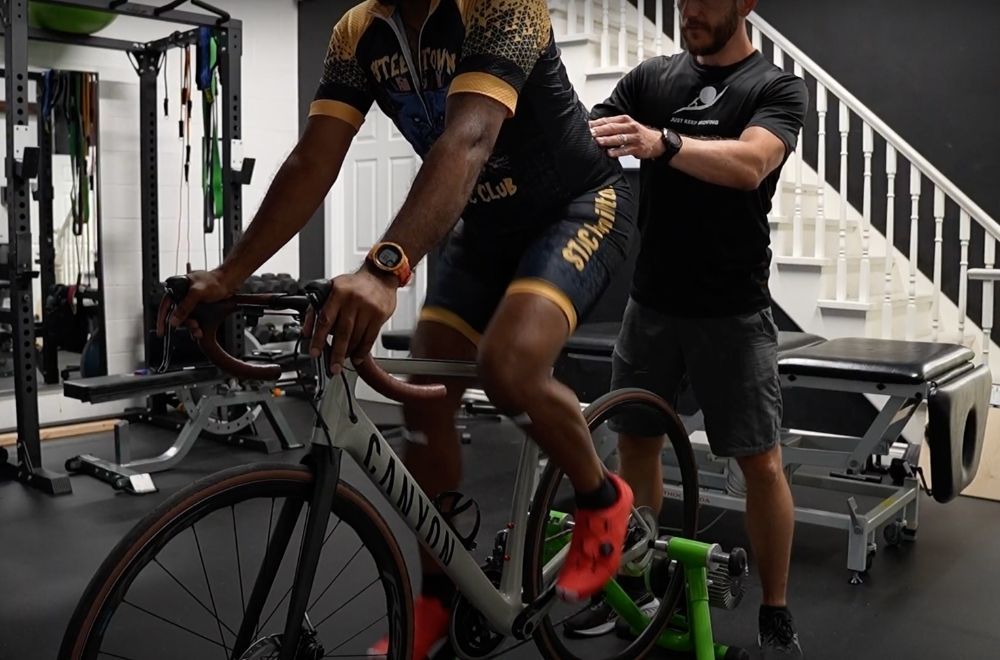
(266, 333)
(254, 284)
(292, 331)
(287, 283)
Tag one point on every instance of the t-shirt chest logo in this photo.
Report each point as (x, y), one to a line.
(707, 97)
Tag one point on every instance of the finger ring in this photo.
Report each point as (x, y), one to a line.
(623, 139)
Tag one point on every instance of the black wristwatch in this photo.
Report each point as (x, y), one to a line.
(672, 142)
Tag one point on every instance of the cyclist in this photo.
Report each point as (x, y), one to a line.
(478, 89)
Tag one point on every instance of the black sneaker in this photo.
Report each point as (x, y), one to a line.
(648, 605)
(778, 639)
(595, 620)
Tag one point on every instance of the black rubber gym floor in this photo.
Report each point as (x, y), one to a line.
(934, 599)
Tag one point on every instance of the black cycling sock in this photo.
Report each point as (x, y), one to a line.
(605, 495)
(634, 585)
(440, 586)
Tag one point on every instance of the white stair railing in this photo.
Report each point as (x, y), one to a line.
(920, 169)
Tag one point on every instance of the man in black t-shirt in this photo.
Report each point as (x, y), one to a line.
(713, 127)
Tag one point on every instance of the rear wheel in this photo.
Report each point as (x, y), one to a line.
(181, 583)
(553, 503)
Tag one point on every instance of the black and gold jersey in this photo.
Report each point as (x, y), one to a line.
(504, 49)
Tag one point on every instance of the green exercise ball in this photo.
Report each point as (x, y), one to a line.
(68, 19)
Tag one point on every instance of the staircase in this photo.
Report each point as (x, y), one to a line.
(849, 260)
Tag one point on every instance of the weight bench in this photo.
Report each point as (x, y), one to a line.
(898, 376)
(207, 411)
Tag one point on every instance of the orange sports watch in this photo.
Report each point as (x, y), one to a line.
(390, 258)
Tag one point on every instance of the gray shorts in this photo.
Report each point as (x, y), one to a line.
(730, 362)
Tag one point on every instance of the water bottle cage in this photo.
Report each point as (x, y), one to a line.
(452, 504)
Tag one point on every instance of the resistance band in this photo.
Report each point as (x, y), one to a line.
(208, 66)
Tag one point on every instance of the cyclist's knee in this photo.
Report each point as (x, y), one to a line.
(507, 382)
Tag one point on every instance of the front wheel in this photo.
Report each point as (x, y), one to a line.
(186, 581)
(546, 533)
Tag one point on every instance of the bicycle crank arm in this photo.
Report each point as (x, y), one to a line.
(527, 621)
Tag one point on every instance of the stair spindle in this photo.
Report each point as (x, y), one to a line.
(890, 233)
(964, 234)
(659, 27)
(622, 34)
(990, 253)
(755, 37)
(677, 29)
(588, 17)
(641, 31)
(797, 222)
(571, 18)
(821, 110)
(845, 130)
(938, 244)
(778, 204)
(911, 307)
(864, 278)
(605, 34)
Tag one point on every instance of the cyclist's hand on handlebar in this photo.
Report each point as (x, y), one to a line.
(358, 306)
(206, 287)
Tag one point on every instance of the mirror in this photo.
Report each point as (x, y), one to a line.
(65, 227)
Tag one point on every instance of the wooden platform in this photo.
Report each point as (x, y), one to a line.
(68, 431)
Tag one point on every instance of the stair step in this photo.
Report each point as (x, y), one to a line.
(607, 73)
(875, 304)
(877, 262)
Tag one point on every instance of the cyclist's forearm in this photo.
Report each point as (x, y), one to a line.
(296, 192)
(440, 193)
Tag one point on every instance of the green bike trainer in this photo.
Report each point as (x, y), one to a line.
(712, 577)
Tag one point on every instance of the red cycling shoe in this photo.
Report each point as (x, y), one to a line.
(596, 549)
(430, 626)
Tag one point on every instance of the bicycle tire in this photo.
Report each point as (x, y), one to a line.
(548, 642)
(109, 584)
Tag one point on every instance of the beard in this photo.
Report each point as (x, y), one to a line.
(719, 34)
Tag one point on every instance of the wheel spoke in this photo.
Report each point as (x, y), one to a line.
(239, 567)
(176, 625)
(349, 600)
(331, 655)
(293, 584)
(196, 599)
(335, 577)
(204, 569)
(267, 549)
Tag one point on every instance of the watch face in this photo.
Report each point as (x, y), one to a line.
(389, 257)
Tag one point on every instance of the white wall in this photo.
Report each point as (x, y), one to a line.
(270, 128)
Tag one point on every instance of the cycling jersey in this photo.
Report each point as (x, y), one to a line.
(504, 49)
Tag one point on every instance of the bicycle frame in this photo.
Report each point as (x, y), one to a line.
(353, 432)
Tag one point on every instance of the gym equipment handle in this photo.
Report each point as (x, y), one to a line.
(223, 15)
(210, 317)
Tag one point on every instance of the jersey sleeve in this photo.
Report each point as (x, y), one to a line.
(503, 41)
(343, 91)
(782, 110)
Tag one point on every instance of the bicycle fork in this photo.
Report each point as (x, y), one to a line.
(326, 466)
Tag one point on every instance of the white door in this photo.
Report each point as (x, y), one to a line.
(374, 182)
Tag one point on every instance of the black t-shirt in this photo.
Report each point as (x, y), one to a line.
(544, 155)
(706, 248)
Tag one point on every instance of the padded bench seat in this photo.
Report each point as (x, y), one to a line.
(598, 340)
(875, 360)
(126, 386)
